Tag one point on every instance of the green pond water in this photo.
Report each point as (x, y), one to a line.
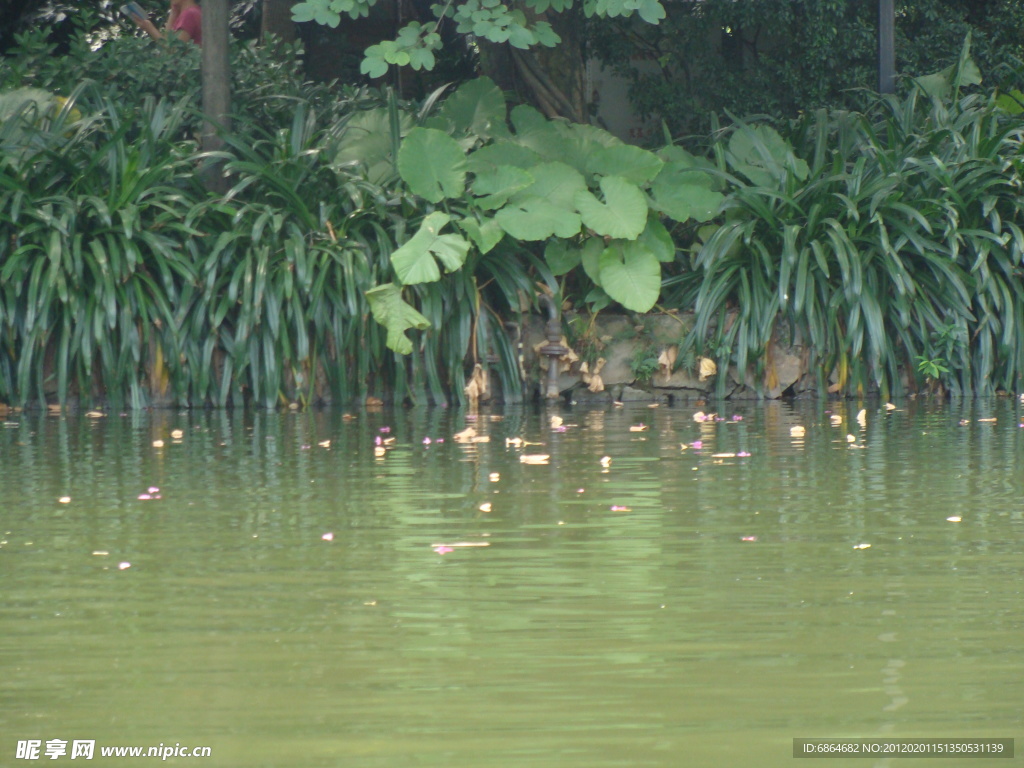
(288, 603)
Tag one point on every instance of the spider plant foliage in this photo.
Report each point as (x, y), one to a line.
(90, 211)
(875, 240)
(520, 178)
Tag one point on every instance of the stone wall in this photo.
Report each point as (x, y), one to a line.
(642, 361)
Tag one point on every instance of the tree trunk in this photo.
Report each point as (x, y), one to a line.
(277, 21)
(550, 79)
(216, 85)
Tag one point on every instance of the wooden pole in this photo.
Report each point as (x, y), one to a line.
(886, 47)
(216, 84)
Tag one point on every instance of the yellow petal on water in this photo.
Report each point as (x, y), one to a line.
(158, 443)
(890, 407)
(954, 519)
(324, 443)
(683, 446)
(556, 421)
(481, 439)
(534, 458)
(638, 428)
(101, 553)
(465, 436)
(379, 451)
(851, 438)
(700, 416)
(797, 431)
(987, 421)
(54, 408)
(64, 499)
(485, 507)
(606, 461)
(177, 434)
(862, 546)
(654, 405)
(836, 419)
(723, 455)
(515, 442)
(494, 476)
(862, 417)
(95, 414)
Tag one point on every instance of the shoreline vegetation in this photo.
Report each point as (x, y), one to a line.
(374, 249)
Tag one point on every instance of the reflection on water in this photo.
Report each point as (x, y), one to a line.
(321, 590)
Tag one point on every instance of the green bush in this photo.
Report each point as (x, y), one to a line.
(878, 239)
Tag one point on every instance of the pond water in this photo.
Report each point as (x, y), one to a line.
(289, 601)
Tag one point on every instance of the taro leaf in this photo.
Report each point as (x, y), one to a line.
(478, 108)
(631, 275)
(494, 188)
(367, 140)
(547, 138)
(561, 257)
(631, 163)
(597, 299)
(682, 192)
(414, 261)
(486, 234)
(557, 183)
(391, 311)
(500, 153)
(590, 257)
(581, 142)
(534, 218)
(657, 240)
(1011, 103)
(763, 156)
(432, 164)
(622, 215)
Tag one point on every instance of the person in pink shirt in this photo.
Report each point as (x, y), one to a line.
(185, 21)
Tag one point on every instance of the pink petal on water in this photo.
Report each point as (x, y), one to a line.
(385, 430)
(145, 497)
(441, 549)
(617, 508)
(328, 536)
(742, 454)
(697, 444)
(378, 440)
(426, 441)
(748, 538)
(439, 440)
(124, 566)
(153, 489)
(737, 417)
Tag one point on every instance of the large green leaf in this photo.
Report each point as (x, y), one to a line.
(491, 156)
(367, 140)
(555, 182)
(682, 192)
(631, 275)
(590, 257)
(433, 164)
(494, 188)
(657, 240)
(631, 163)
(622, 215)
(414, 262)
(476, 108)
(391, 311)
(486, 233)
(561, 257)
(534, 218)
(761, 154)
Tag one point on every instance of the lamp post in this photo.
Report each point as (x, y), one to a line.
(886, 46)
